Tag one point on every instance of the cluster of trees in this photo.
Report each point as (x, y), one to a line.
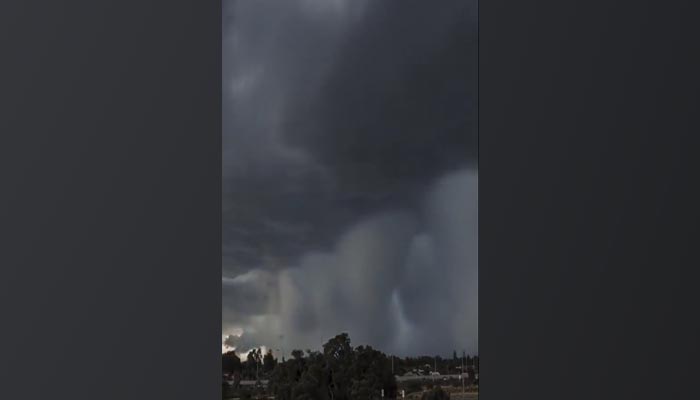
(256, 366)
(338, 372)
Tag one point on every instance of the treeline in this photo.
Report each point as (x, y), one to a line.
(338, 372)
(256, 366)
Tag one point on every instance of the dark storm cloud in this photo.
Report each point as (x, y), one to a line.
(398, 107)
(340, 117)
(340, 120)
(274, 54)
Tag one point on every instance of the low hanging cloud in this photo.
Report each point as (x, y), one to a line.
(389, 281)
(349, 191)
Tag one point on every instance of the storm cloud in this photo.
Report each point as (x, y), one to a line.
(350, 186)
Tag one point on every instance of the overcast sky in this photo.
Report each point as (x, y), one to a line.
(350, 182)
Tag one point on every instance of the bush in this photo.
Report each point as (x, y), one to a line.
(436, 394)
(413, 386)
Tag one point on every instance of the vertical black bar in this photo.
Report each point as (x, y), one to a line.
(588, 200)
(110, 126)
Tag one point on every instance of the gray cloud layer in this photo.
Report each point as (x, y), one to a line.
(349, 173)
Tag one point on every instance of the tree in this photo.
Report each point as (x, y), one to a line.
(338, 348)
(231, 363)
(269, 362)
(339, 372)
(313, 382)
(372, 369)
(286, 377)
(338, 356)
(249, 369)
(436, 394)
(297, 354)
(252, 364)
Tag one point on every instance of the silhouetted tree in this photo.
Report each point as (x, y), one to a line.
(339, 372)
(231, 362)
(297, 354)
(269, 362)
(436, 394)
